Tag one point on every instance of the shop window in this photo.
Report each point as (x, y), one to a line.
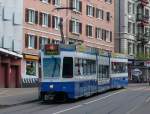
(31, 68)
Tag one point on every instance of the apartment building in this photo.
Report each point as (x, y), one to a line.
(132, 30)
(10, 42)
(90, 22)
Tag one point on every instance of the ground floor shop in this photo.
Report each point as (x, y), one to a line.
(10, 69)
(139, 71)
(30, 70)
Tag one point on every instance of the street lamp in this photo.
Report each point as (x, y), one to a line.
(61, 23)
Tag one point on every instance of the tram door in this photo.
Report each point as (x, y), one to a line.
(67, 67)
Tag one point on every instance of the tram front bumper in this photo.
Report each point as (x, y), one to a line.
(58, 87)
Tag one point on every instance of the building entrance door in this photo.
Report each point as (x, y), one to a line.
(3, 76)
(13, 77)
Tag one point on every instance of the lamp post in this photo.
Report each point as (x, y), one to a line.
(61, 23)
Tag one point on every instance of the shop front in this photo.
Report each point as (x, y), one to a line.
(139, 71)
(10, 69)
(30, 77)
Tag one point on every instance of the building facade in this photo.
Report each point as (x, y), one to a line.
(90, 22)
(132, 34)
(10, 42)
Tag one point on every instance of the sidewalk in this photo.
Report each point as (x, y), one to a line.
(15, 96)
(137, 84)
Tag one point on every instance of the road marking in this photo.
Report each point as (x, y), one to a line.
(104, 97)
(147, 100)
(75, 107)
(68, 109)
(133, 109)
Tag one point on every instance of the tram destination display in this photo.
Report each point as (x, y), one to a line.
(51, 49)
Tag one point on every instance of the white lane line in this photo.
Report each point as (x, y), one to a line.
(104, 97)
(147, 100)
(133, 109)
(78, 106)
(68, 109)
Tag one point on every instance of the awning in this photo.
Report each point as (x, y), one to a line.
(11, 53)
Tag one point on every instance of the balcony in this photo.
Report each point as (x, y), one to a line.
(143, 2)
(143, 38)
(143, 19)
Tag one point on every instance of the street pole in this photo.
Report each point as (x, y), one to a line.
(61, 23)
(61, 32)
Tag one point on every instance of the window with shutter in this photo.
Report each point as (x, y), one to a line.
(32, 42)
(31, 16)
(77, 5)
(90, 10)
(89, 30)
(76, 26)
(45, 19)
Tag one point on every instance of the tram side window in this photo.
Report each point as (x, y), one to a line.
(78, 67)
(103, 71)
(84, 67)
(67, 67)
(119, 67)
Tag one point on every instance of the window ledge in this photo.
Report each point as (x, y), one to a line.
(75, 33)
(31, 23)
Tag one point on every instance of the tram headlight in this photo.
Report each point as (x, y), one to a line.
(51, 86)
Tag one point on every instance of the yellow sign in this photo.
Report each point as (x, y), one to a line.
(118, 55)
(31, 57)
(81, 48)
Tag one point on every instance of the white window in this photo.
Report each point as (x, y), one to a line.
(107, 35)
(129, 8)
(45, 19)
(108, 1)
(131, 28)
(31, 16)
(56, 22)
(45, 1)
(90, 10)
(99, 13)
(43, 41)
(89, 30)
(75, 26)
(76, 5)
(57, 2)
(98, 33)
(31, 41)
(130, 48)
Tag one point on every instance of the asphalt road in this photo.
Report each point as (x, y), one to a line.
(133, 100)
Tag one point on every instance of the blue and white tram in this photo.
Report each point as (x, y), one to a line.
(67, 73)
(119, 72)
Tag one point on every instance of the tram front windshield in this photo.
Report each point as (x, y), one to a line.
(51, 67)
